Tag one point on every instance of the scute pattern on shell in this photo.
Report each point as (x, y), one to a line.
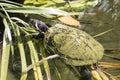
(75, 46)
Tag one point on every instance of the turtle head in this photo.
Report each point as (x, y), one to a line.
(39, 25)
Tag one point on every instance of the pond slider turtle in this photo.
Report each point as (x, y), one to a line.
(74, 46)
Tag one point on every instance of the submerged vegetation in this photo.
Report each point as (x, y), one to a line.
(22, 52)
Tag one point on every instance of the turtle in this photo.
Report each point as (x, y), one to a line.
(74, 46)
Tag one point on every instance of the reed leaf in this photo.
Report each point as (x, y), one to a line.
(46, 65)
(34, 59)
(5, 51)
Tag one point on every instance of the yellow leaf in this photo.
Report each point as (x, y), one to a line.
(68, 20)
(95, 75)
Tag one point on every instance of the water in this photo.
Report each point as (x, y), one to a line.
(105, 16)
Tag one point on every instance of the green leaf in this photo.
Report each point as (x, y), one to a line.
(48, 12)
(10, 3)
(46, 65)
(22, 53)
(34, 59)
(7, 40)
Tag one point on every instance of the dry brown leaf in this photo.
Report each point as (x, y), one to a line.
(103, 76)
(95, 75)
(68, 20)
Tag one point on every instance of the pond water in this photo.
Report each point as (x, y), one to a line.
(103, 17)
(106, 16)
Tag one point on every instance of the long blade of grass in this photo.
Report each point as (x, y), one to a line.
(10, 2)
(109, 65)
(20, 21)
(46, 65)
(20, 45)
(33, 52)
(6, 4)
(2, 15)
(56, 70)
(22, 54)
(102, 33)
(48, 12)
(42, 61)
(5, 51)
(34, 59)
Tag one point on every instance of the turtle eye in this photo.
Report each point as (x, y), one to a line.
(41, 26)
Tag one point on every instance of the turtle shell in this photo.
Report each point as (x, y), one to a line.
(74, 46)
